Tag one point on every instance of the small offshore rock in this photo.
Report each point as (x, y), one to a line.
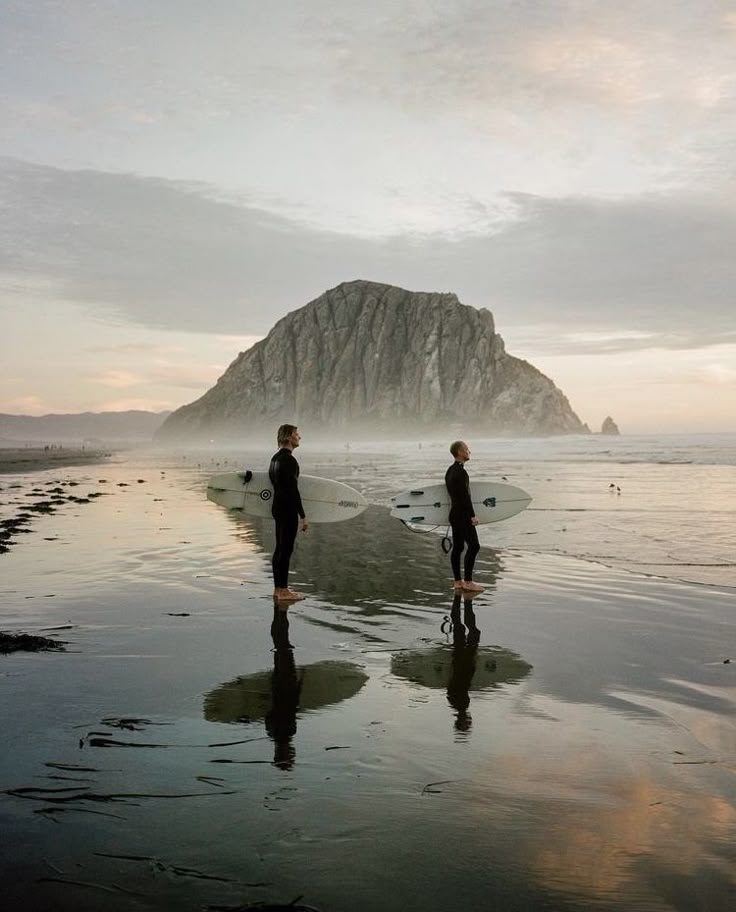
(610, 427)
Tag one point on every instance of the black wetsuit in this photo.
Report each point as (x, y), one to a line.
(286, 687)
(465, 639)
(461, 516)
(286, 510)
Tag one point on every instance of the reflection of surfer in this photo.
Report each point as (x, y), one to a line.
(286, 509)
(462, 518)
(465, 639)
(286, 686)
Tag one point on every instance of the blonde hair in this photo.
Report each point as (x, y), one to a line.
(283, 434)
(456, 447)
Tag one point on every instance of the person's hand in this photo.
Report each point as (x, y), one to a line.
(305, 525)
(474, 521)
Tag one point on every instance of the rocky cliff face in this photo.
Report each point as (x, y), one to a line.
(366, 358)
(609, 426)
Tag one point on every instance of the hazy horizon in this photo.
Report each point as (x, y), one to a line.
(346, 441)
(174, 183)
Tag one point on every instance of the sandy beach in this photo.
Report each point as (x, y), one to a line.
(563, 741)
(37, 459)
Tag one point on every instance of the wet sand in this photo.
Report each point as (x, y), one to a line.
(38, 459)
(563, 741)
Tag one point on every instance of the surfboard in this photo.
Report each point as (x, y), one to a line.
(250, 697)
(324, 500)
(429, 505)
(433, 667)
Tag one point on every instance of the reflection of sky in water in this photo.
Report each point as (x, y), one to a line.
(372, 563)
(608, 812)
(675, 515)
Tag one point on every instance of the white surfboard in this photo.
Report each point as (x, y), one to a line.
(324, 500)
(429, 505)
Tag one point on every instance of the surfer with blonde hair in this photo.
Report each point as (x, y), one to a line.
(462, 519)
(286, 509)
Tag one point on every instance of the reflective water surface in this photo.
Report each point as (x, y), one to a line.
(564, 741)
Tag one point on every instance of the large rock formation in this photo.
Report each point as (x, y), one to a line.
(366, 358)
(610, 427)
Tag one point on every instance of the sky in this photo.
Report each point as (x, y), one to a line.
(175, 176)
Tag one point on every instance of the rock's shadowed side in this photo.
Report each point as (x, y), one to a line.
(610, 427)
(377, 359)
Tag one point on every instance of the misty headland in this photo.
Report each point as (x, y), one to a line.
(363, 361)
(369, 360)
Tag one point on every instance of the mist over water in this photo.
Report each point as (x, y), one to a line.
(664, 506)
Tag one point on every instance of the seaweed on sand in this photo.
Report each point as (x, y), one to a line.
(26, 642)
(293, 906)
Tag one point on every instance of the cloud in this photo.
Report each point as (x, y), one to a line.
(144, 348)
(596, 274)
(714, 372)
(719, 374)
(187, 376)
(566, 73)
(642, 87)
(551, 339)
(134, 405)
(242, 343)
(161, 373)
(120, 379)
(28, 405)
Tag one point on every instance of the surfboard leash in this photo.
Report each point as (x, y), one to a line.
(445, 541)
(418, 531)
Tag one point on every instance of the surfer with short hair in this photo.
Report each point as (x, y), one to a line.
(462, 518)
(286, 509)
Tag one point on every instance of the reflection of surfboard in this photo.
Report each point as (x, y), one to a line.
(429, 505)
(433, 667)
(324, 500)
(249, 698)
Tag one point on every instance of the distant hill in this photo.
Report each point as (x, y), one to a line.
(98, 428)
(372, 359)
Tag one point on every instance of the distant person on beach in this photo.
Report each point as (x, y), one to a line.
(462, 518)
(286, 509)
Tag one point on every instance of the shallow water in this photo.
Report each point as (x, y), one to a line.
(566, 740)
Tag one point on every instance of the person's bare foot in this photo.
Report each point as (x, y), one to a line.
(472, 587)
(288, 595)
(458, 584)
